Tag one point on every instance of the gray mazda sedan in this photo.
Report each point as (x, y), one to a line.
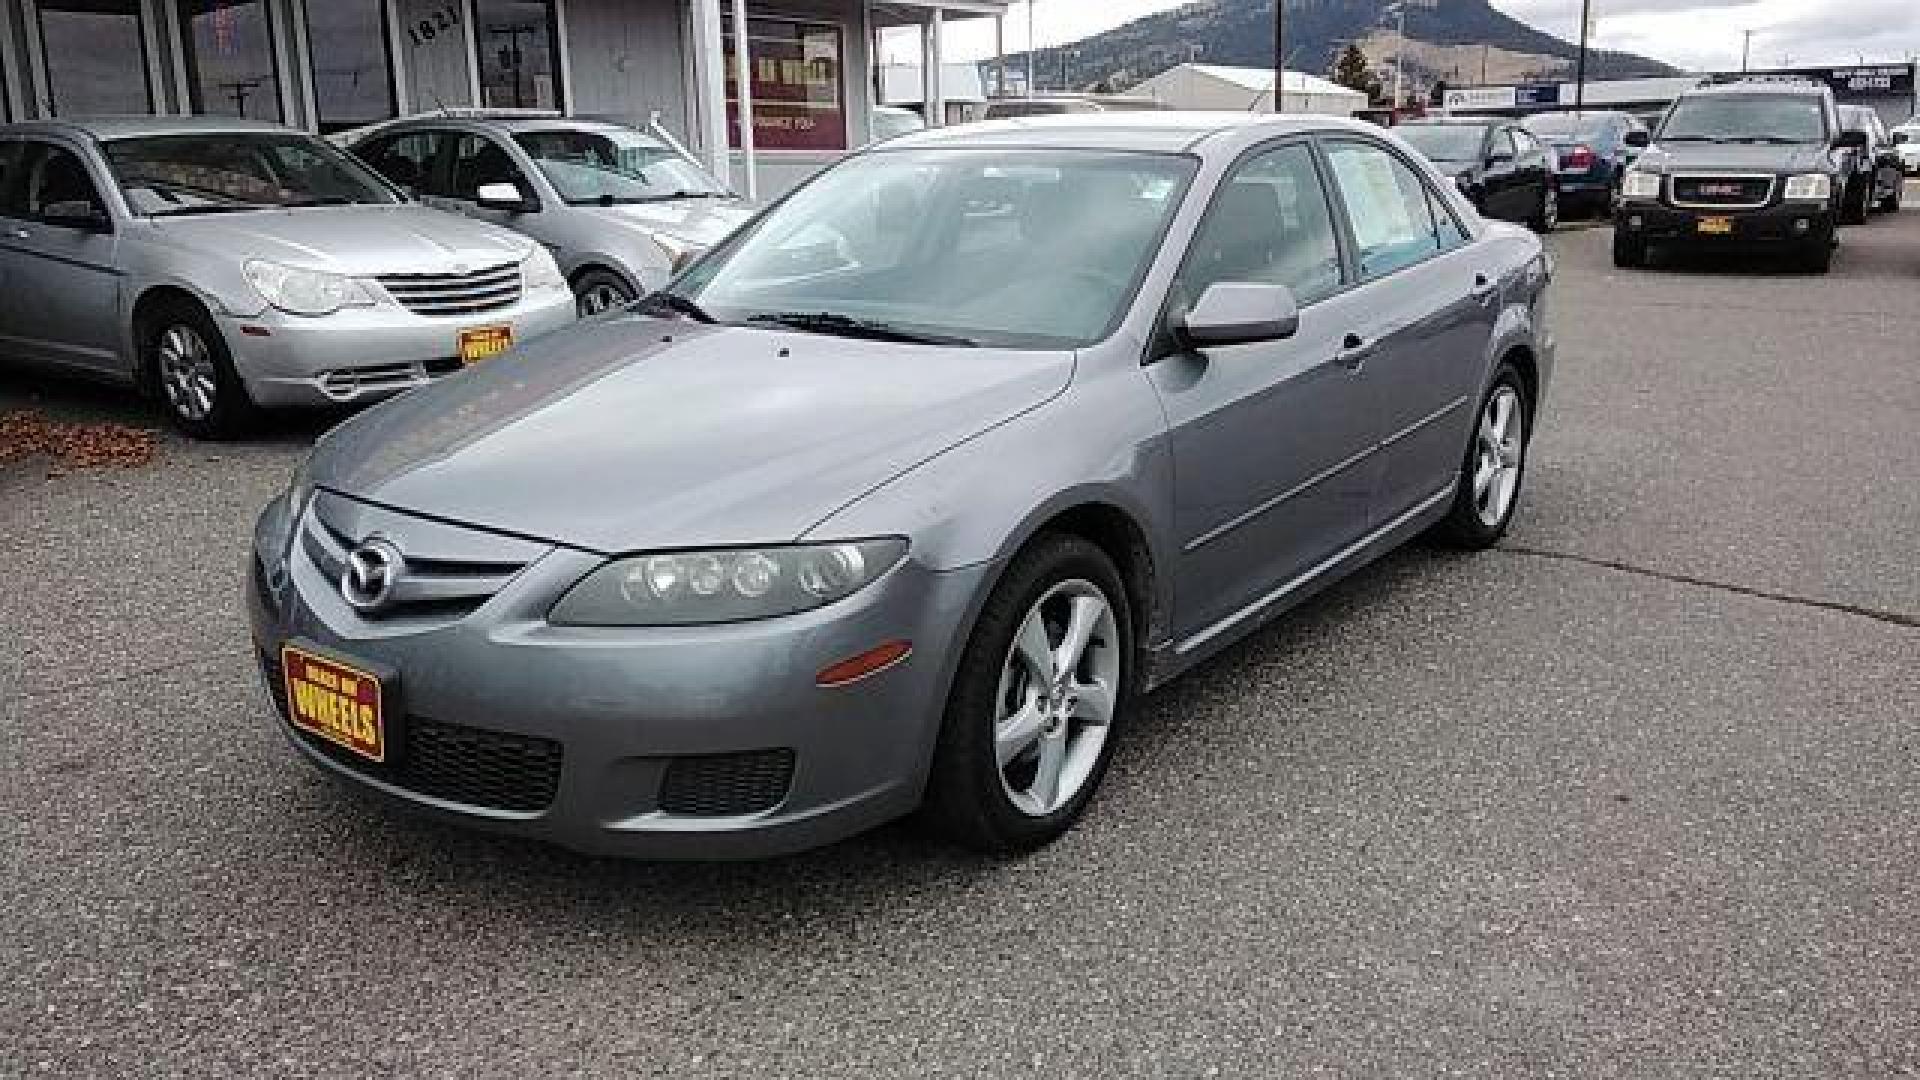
(901, 497)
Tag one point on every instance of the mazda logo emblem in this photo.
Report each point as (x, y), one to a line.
(372, 571)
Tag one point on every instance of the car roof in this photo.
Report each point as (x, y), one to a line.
(1142, 132)
(126, 127)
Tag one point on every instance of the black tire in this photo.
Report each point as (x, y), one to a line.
(967, 800)
(1891, 204)
(1464, 527)
(600, 290)
(1629, 252)
(1817, 257)
(1853, 209)
(230, 413)
(1547, 217)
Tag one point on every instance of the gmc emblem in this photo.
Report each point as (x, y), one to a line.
(1727, 190)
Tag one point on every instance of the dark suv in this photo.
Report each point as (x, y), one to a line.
(1740, 164)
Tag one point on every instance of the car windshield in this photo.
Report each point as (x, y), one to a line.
(234, 171)
(1795, 118)
(615, 165)
(1445, 142)
(1558, 126)
(1015, 249)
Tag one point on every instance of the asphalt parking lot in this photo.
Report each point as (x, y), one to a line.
(1636, 795)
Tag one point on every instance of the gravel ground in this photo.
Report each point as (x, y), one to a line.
(1633, 796)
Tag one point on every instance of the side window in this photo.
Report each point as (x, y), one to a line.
(1452, 233)
(1509, 142)
(405, 160)
(477, 162)
(13, 194)
(1388, 207)
(1270, 222)
(51, 175)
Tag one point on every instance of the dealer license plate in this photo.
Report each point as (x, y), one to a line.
(484, 343)
(338, 702)
(1715, 226)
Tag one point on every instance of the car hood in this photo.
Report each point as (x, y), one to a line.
(352, 240)
(1734, 157)
(628, 433)
(702, 222)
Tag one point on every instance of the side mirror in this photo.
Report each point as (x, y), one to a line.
(1851, 140)
(1639, 140)
(1240, 313)
(77, 214)
(1899, 138)
(506, 198)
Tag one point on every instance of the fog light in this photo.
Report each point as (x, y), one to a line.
(1801, 225)
(872, 662)
(1636, 222)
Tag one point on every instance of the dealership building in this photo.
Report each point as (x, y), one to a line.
(331, 65)
(1886, 88)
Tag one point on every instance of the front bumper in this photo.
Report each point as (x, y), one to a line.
(1782, 223)
(365, 354)
(630, 722)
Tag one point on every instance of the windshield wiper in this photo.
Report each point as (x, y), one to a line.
(325, 200)
(210, 208)
(674, 302)
(1690, 138)
(1770, 140)
(828, 322)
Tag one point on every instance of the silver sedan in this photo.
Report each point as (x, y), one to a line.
(903, 496)
(223, 265)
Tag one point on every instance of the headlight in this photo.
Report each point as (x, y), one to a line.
(304, 292)
(1640, 185)
(1816, 187)
(539, 271)
(692, 588)
(679, 252)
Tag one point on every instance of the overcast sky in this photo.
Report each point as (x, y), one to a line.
(1687, 33)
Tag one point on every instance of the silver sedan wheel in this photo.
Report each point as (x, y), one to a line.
(599, 297)
(1550, 211)
(1500, 448)
(187, 372)
(1058, 690)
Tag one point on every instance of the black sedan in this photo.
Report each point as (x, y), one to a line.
(1501, 166)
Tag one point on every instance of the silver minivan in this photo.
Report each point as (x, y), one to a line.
(225, 265)
(621, 209)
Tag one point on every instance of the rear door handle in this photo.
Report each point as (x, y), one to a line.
(1354, 353)
(1482, 288)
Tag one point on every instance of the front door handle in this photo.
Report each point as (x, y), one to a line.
(1482, 289)
(20, 234)
(1354, 353)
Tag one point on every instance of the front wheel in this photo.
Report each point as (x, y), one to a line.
(1817, 257)
(600, 290)
(1629, 252)
(1488, 489)
(1891, 203)
(1041, 688)
(1853, 210)
(188, 362)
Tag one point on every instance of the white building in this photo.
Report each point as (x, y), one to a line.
(961, 87)
(329, 65)
(1245, 89)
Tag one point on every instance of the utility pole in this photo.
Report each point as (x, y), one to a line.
(1580, 72)
(1399, 56)
(1746, 49)
(1031, 4)
(1279, 56)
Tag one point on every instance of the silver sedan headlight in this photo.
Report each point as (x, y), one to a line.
(538, 271)
(679, 252)
(1640, 185)
(298, 291)
(693, 588)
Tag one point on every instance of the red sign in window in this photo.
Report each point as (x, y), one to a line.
(798, 86)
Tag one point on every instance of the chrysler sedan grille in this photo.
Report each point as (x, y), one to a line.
(456, 294)
(1722, 192)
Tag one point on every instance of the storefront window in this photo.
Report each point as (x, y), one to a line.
(517, 66)
(229, 54)
(96, 57)
(798, 92)
(352, 80)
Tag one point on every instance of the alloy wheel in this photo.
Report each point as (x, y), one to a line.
(1059, 686)
(187, 372)
(1550, 211)
(1500, 449)
(600, 296)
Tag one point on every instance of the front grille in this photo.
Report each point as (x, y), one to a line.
(492, 770)
(1722, 191)
(727, 785)
(426, 587)
(456, 294)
